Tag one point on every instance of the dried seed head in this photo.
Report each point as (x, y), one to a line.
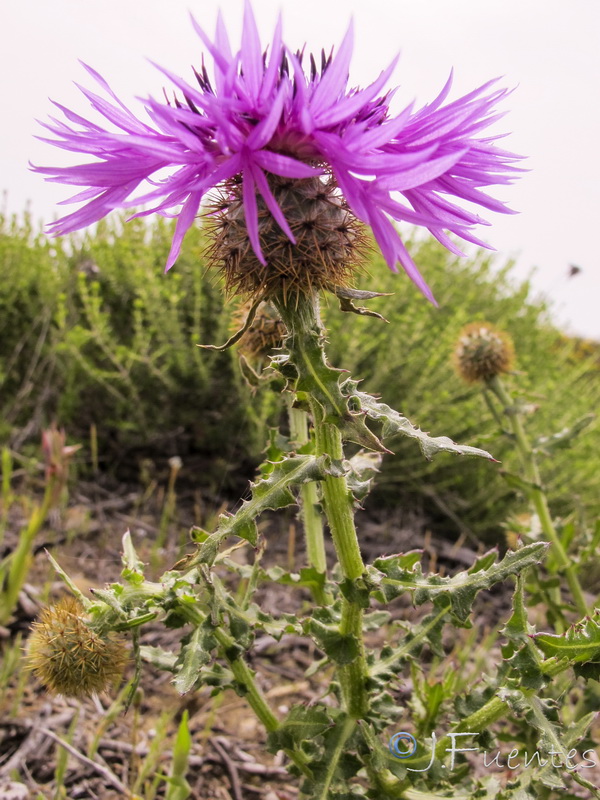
(71, 658)
(266, 332)
(482, 352)
(330, 242)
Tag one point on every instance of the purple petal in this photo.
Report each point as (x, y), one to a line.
(271, 202)
(251, 214)
(251, 53)
(423, 173)
(285, 166)
(336, 75)
(272, 71)
(348, 107)
(221, 54)
(265, 129)
(184, 222)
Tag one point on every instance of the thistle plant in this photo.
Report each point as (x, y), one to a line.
(305, 169)
(483, 354)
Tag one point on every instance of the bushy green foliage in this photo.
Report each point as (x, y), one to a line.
(91, 331)
(94, 333)
(408, 362)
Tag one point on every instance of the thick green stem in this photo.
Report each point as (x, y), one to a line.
(309, 514)
(320, 382)
(536, 493)
(339, 504)
(253, 694)
(243, 674)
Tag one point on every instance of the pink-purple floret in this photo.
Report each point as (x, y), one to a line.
(265, 113)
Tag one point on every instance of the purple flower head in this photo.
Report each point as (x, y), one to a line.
(271, 119)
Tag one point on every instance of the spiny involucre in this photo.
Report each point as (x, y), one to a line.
(483, 352)
(69, 656)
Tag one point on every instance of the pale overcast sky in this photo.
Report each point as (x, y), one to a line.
(548, 49)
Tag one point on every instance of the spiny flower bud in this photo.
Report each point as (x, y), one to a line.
(482, 352)
(265, 333)
(329, 240)
(69, 656)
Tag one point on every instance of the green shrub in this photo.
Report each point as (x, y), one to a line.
(119, 346)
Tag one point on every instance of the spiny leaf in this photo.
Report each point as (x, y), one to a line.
(427, 631)
(158, 657)
(340, 648)
(394, 423)
(179, 788)
(271, 492)
(301, 723)
(394, 578)
(519, 483)
(335, 753)
(308, 577)
(346, 296)
(195, 654)
(133, 571)
(553, 740)
(360, 471)
(563, 438)
(522, 659)
(579, 644)
(308, 372)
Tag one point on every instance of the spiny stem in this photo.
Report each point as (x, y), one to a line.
(339, 505)
(537, 494)
(310, 516)
(256, 699)
(245, 677)
(305, 344)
